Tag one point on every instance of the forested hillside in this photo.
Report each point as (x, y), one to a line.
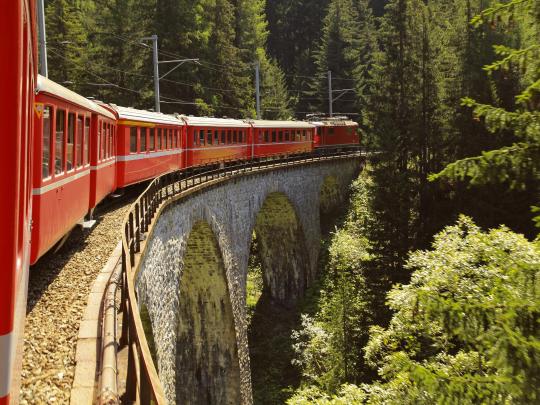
(431, 291)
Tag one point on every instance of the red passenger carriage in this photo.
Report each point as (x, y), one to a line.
(271, 138)
(69, 130)
(149, 145)
(17, 83)
(215, 140)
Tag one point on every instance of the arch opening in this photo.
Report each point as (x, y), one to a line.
(278, 276)
(207, 365)
(330, 203)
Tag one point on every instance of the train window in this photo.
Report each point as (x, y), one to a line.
(47, 128)
(80, 140)
(59, 142)
(216, 137)
(133, 140)
(229, 136)
(152, 140)
(110, 128)
(170, 139)
(107, 132)
(165, 138)
(70, 141)
(274, 136)
(223, 136)
(103, 140)
(235, 137)
(266, 136)
(201, 137)
(209, 137)
(331, 131)
(159, 133)
(243, 136)
(87, 141)
(287, 136)
(305, 135)
(319, 131)
(280, 139)
(143, 139)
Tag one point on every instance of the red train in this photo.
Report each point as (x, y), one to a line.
(65, 153)
(18, 72)
(88, 150)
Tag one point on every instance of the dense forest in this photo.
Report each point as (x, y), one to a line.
(429, 291)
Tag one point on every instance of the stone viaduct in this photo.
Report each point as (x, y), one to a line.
(191, 284)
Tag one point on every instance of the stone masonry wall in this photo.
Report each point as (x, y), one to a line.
(230, 210)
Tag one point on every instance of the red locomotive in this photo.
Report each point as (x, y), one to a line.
(335, 131)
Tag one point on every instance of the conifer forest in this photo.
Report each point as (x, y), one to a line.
(429, 280)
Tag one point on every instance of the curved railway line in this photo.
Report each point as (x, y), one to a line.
(58, 290)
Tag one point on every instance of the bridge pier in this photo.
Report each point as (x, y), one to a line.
(178, 272)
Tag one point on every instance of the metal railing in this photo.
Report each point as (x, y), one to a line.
(143, 385)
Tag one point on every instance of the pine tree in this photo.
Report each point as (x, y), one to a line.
(67, 39)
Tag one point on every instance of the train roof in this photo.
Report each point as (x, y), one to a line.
(338, 122)
(45, 85)
(280, 124)
(214, 122)
(133, 114)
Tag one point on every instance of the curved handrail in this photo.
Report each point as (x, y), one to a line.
(143, 384)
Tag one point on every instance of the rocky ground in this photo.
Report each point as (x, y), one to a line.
(58, 291)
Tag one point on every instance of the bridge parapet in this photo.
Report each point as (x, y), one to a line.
(227, 199)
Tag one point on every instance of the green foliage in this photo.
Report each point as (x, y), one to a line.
(328, 345)
(465, 328)
(519, 163)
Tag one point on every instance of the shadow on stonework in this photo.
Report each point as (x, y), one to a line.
(207, 367)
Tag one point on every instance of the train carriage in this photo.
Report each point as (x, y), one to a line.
(17, 81)
(65, 132)
(149, 145)
(271, 138)
(216, 140)
(103, 146)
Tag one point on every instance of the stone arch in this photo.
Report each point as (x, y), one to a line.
(282, 250)
(207, 364)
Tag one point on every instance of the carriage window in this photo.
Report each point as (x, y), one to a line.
(223, 136)
(201, 137)
(133, 140)
(216, 137)
(70, 141)
(107, 135)
(143, 139)
(287, 136)
(80, 140)
(87, 141)
(267, 136)
(152, 140)
(111, 143)
(158, 138)
(59, 144)
(280, 138)
(274, 136)
(170, 139)
(209, 137)
(305, 135)
(46, 160)
(165, 139)
(229, 136)
(102, 143)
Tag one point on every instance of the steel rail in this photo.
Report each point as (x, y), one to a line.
(143, 384)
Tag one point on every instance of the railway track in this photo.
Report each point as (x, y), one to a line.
(58, 291)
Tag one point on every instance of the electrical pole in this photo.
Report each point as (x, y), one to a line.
(154, 39)
(330, 101)
(42, 39)
(331, 92)
(258, 88)
(179, 62)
